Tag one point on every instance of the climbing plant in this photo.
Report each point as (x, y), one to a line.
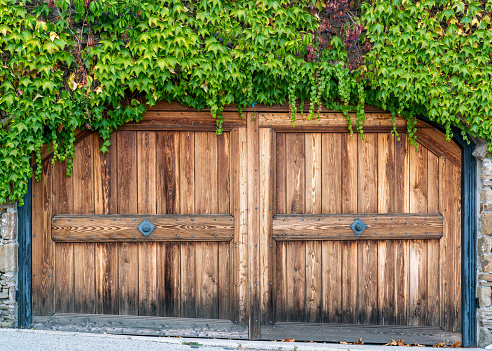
(89, 64)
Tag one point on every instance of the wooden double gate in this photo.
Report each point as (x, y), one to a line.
(267, 231)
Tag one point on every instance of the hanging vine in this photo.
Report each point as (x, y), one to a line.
(71, 64)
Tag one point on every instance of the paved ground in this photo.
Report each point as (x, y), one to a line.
(23, 339)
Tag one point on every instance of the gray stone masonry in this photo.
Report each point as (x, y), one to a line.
(8, 265)
(484, 247)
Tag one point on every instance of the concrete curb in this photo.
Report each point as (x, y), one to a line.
(222, 344)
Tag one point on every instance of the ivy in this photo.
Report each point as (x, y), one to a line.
(432, 58)
(88, 64)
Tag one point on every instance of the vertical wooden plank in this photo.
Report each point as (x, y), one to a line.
(146, 200)
(349, 172)
(368, 250)
(127, 204)
(266, 193)
(280, 172)
(168, 195)
(386, 250)
(242, 234)
(332, 281)
(418, 248)
(206, 173)
(42, 248)
(106, 257)
(105, 202)
(296, 203)
(281, 247)
(433, 268)
(224, 203)
(63, 204)
(313, 201)
(187, 206)
(206, 202)
(254, 155)
(450, 246)
(105, 177)
(332, 250)
(349, 248)
(167, 180)
(401, 247)
(83, 199)
(295, 172)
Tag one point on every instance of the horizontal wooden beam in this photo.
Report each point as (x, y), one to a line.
(140, 325)
(191, 120)
(377, 334)
(117, 228)
(337, 226)
(331, 122)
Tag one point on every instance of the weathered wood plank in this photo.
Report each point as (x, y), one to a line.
(134, 325)
(295, 172)
(331, 122)
(64, 278)
(433, 267)
(105, 202)
(118, 228)
(167, 181)
(105, 177)
(83, 200)
(337, 226)
(146, 203)
(207, 297)
(281, 175)
(127, 204)
(331, 173)
(206, 199)
(187, 206)
(376, 334)
(349, 171)
(106, 257)
(254, 154)
(436, 142)
(184, 121)
(224, 172)
(332, 281)
(387, 198)
(313, 143)
(401, 247)
(418, 248)
(168, 279)
(224, 280)
(368, 250)
(349, 282)
(296, 281)
(42, 249)
(266, 200)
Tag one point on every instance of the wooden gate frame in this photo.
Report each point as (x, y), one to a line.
(469, 237)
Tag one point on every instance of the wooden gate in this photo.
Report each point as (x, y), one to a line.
(268, 231)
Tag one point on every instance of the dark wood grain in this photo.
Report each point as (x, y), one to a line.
(151, 326)
(117, 228)
(376, 334)
(337, 226)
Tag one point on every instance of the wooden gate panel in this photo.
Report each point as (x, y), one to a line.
(144, 172)
(383, 282)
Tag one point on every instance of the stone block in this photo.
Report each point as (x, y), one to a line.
(486, 277)
(484, 337)
(484, 294)
(487, 223)
(8, 226)
(484, 244)
(8, 258)
(486, 195)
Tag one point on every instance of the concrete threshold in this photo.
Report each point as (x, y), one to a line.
(26, 339)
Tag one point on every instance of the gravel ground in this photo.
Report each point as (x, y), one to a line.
(24, 339)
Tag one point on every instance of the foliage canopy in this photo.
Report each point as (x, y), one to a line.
(69, 64)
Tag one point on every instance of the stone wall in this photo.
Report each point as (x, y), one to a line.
(484, 288)
(8, 265)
